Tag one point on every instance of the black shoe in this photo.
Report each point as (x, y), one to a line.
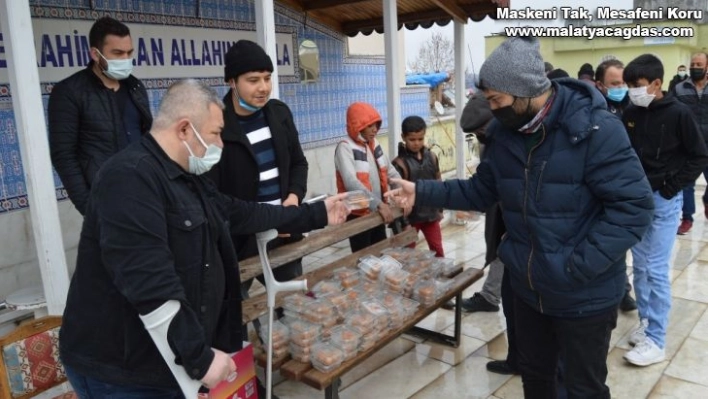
(501, 367)
(628, 303)
(477, 303)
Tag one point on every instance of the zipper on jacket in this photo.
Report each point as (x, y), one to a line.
(526, 196)
(134, 97)
(540, 179)
(661, 141)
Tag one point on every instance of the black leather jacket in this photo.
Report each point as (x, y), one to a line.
(86, 128)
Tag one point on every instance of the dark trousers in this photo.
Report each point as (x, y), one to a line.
(366, 238)
(91, 388)
(582, 343)
(689, 199)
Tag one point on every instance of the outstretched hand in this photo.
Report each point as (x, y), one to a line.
(337, 210)
(404, 196)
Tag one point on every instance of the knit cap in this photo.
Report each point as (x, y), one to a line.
(246, 56)
(516, 68)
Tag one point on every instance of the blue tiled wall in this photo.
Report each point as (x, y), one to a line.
(319, 108)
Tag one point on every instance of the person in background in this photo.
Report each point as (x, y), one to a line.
(557, 74)
(548, 67)
(608, 79)
(414, 162)
(156, 234)
(681, 75)
(670, 146)
(97, 111)
(586, 73)
(692, 92)
(360, 164)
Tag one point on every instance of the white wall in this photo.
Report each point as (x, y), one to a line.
(373, 45)
(18, 259)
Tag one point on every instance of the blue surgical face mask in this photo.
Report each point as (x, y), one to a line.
(117, 69)
(248, 107)
(211, 157)
(617, 94)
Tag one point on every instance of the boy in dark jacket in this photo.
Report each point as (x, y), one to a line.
(414, 162)
(671, 149)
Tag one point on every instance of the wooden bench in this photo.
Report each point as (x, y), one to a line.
(256, 306)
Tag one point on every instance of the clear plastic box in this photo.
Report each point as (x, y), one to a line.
(446, 265)
(304, 333)
(320, 311)
(326, 357)
(345, 338)
(363, 322)
(326, 287)
(425, 292)
(296, 302)
(358, 199)
(300, 353)
(348, 277)
(281, 336)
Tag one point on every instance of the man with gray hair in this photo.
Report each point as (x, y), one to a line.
(156, 232)
(575, 199)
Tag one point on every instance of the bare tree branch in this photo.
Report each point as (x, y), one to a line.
(435, 55)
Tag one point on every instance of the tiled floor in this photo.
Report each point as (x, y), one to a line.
(409, 368)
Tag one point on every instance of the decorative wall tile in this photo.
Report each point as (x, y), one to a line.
(319, 108)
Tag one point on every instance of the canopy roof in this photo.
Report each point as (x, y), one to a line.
(353, 16)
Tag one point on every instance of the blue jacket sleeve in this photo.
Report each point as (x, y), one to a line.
(616, 177)
(477, 193)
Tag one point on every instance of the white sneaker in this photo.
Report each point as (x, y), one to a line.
(645, 353)
(639, 333)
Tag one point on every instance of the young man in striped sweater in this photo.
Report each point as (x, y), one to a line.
(262, 158)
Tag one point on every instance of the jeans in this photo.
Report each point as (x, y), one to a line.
(582, 343)
(91, 388)
(689, 199)
(651, 267)
(491, 290)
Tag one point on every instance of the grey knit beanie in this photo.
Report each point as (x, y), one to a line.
(515, 68)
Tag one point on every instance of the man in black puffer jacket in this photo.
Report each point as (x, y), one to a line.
(98, 111)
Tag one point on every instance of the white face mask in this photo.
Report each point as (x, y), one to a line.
(640, 97)
(211, 157)
(117, 69)
(682, 74)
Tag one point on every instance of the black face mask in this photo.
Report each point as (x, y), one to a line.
(697, 73)
(509, 118)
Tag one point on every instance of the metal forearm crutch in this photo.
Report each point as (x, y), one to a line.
(272, 289)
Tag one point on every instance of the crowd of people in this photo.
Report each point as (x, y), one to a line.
(574, 174)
